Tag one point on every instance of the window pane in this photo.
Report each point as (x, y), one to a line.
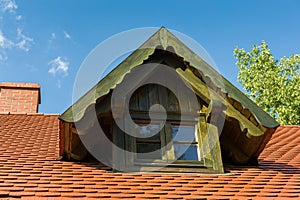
(149, 151)
(149, 132)
(183, 133)
(186, 152)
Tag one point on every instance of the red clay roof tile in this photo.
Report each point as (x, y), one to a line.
(29, 167)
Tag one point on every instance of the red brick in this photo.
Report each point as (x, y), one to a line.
(19, 97)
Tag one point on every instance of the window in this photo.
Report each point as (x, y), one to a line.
(149, 145)
(172, 143)
(184, 143)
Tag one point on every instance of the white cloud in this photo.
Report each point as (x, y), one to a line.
(58, 83)
(21, 42)
(66, 35)
(16, 40)
(59, 66)
(19, 17)
(24, 42)
(8, 5)
(52, 38)
(3, 56)
(4, 42)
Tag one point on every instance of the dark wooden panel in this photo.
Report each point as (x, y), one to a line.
(146, 96)
(153, 94)
(173, 104)
(143, 97)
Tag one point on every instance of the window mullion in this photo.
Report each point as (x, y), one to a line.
(169, 145)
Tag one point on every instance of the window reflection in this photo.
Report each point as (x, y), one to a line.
(149, 131)
(186, 151)
(148, 145)
(153, 139)
(185, 143)
(183, 133)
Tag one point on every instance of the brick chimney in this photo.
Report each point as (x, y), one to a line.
(19, 97)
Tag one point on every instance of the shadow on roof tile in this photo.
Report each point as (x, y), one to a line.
(279, 167)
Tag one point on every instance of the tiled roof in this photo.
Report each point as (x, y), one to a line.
(29, 167)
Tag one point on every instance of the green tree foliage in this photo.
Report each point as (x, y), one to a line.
(272, 84)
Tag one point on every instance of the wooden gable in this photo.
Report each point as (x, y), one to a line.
(246, 127)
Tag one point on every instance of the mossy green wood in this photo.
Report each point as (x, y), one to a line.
(210, 144)
(165, 39)
(202, 90)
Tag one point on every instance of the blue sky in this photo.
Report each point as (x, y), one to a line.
(46, 41)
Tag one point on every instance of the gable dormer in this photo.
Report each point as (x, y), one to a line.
(164, 108)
